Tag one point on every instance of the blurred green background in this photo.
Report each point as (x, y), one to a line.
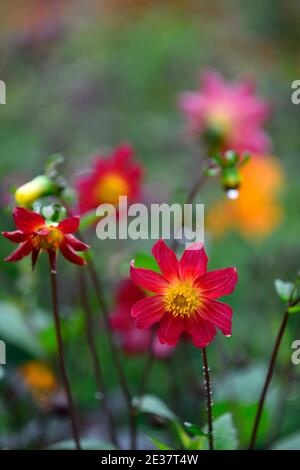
(86, 76)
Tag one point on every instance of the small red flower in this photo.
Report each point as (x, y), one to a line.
(34, 235)
(110, 178)
(185, 296)
(133, 340)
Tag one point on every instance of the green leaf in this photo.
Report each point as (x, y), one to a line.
(225, 433)
(142, 260)
(14, 330)
(284, 289)
(194, 429)
(86, 444)
(159, 445)
(88, 219)
(291, 442)
(151, 404)
(294, 309)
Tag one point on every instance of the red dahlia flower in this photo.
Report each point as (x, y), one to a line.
(185, 296)
(35, 234)
(133, 340)
(110, 178)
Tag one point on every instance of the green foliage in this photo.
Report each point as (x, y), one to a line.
(15, 330)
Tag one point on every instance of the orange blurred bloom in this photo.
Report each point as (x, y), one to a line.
(256, 212)
(39, 380)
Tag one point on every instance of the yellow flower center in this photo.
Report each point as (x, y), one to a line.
(111, 187)
(182, 300)
(51, 241)
(220, 121)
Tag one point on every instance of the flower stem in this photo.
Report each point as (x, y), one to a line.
(61, 357)
(208, 400)
(270, 374)
(115, 353)
(192, 194)
(268, 380)
(148, 365)
(89, 328)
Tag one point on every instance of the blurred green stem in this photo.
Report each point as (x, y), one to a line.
(89, 328)
(61, 356)
(270, 373)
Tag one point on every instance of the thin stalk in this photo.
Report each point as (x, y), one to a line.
(192, 194)
(61, 357)
(209, 403)
(115, 353)
(89, 329)
(270, 374)
(148, 365)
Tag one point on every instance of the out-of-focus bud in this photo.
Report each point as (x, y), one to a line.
(231, 178)
(40, 186)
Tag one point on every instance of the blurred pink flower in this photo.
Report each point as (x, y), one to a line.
(229, 111)
(133, 340)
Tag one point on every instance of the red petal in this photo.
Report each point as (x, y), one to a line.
(149, 280)
(17, 236)
(217, 283)
(170, 329)
(69, 225)
(78, 245)
(217, 313)
(34, 257)
(27, 221)
(70, 254)
(23, 250)
(201, 331)
(148, 311)
(193, 262)
(52, 260)
(166, 260)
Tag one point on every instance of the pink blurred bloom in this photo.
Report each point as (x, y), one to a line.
(230, 110)
(133, 340)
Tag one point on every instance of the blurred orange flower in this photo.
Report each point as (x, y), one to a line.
(39, 380)
(256, 212)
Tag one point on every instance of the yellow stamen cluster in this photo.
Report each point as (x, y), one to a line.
(111, 187)
(51, 241)
(182, 299)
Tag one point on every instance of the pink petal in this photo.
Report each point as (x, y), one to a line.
(170, 329)
(148, 311)
(217, 283)
(193, 262)
(27, 221)
(23, 250)
(69, 225)
(166, 260)
(217, 313)
(17, 236)
(201, 331)
(147, 279)
(76, 244)
(70, 254)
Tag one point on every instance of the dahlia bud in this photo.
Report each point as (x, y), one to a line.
(39, 187)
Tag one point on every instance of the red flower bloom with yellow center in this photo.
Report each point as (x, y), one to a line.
(186, 294)
(34, 235)
(109, 179)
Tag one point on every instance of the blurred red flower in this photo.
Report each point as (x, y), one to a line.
(185, 296)
(112, 177)
(230, 111)
(35, 234)
(133, 340)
